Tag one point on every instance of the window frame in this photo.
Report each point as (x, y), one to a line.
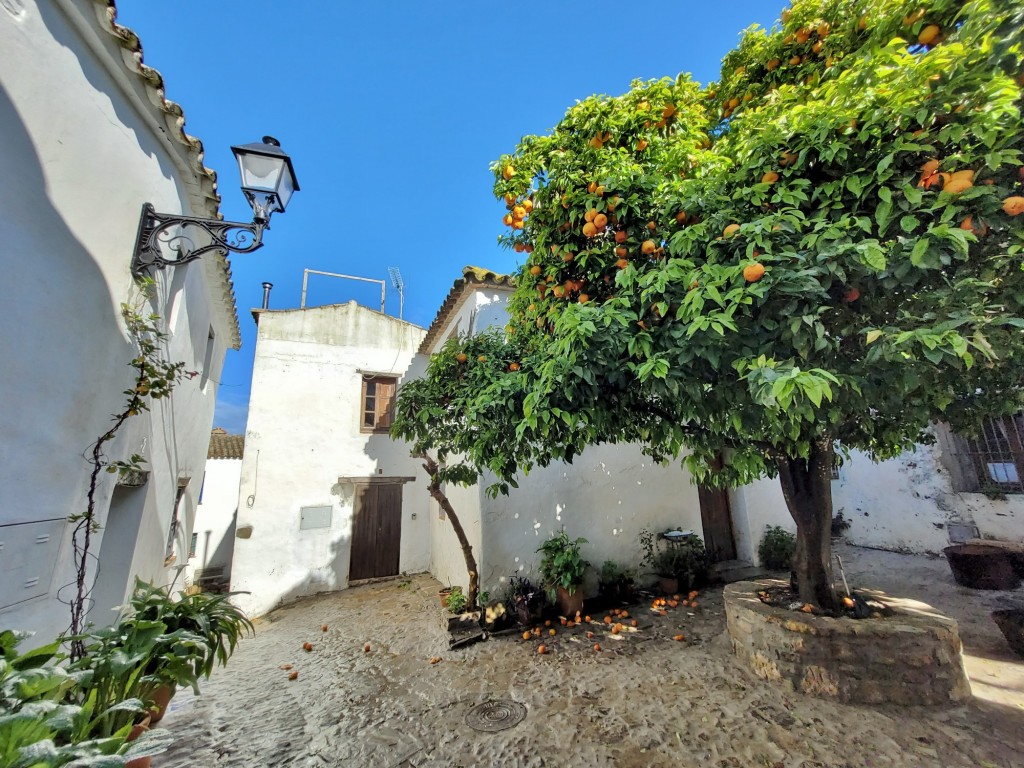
(382, 417)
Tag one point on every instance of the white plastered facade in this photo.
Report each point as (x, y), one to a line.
(88, 138)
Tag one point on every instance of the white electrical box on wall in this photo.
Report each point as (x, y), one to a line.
(28, 555)
(314, 517)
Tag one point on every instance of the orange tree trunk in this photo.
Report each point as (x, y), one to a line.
(807, 487)
(434, 489)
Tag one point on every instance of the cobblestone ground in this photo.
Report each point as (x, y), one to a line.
(644, 699)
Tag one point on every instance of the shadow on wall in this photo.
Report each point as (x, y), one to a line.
(318, 581)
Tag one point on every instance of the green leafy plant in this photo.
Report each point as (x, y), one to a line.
(685, 560)
(561, 564)
(616, 581)
(456, 600)
(213, 617)
(776, 548)
(42, 723)
(839, 525)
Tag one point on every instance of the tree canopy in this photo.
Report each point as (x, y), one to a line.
(822, 248)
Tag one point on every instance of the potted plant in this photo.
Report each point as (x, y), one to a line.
(562, 568)
(678, 564)
(41, 722)
(527, 600)
(213, 618)
(839, 525)
(776, 549)
(616, 583)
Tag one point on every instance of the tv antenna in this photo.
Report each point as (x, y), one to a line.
(399, 285)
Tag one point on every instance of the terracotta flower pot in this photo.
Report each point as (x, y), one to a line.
(980, 566)
(137, 730)
(668, 586)
(442, 595)
(570, 604)
(161, 698)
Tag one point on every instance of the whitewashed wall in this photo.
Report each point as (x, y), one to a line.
(214, 525)
(908, 504)
(302, 435)
(83, 148)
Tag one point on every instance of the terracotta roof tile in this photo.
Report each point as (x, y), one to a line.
(472, 278)
(225, 446)
(203, 187)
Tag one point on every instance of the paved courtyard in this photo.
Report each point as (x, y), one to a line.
(644, 699)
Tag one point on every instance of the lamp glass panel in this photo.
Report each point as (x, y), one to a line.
(260, 172)
(285, 188)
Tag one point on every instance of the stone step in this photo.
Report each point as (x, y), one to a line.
(730, 571)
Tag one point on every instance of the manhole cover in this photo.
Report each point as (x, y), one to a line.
(494, 716)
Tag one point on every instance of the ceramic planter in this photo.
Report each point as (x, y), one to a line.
(980, 566)
(570, 604)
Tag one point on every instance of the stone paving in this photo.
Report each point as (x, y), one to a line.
(644, 699)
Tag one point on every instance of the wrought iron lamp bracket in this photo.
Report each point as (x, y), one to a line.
(159, 232)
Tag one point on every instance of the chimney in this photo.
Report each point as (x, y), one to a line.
(266, 294)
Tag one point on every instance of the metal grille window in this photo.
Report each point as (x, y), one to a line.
(172, 532)
(378, 399)
(992, 461)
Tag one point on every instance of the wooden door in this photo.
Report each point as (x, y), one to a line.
(716, 518)
(376, 531)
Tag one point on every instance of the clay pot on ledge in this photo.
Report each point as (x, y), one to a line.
(442, 595)
(570, 604)
(161, 698)
(137, 730)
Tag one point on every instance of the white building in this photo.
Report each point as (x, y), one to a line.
(88, 137)
(213, 531)
(326, 497)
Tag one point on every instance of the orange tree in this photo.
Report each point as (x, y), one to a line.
(820, 251)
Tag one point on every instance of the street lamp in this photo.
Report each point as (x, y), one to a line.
(268, 181)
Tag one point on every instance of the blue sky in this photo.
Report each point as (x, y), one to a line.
(392, 112)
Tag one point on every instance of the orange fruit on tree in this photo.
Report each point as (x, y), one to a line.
(592, 187)
(929, 34)
(599, 190)
(590, 215)
(517, 224)
(668, 111)
(584, 298)
(733, 102)
(620, 236)
(862, 23)
(535, 270)
(803, 35)
(528, 205)
(651, 226)
(507, 219)
(482, 359)
(589, 229)
(509, 172)
(912, 18)
(518, 212)
(772, 64)
(681, 217)
(622, 263)
(1013, 205)
(644, 106)
(513, 366)
(770, 178)
(510, 199)
(730, 230)
(817, 47)
(568, 257)
(461, 357)
(641, 145)
(851, 295)
(518, 247)
(957, 185)
(648, 247)
(824, 28)
(529, 248)
(794, 60)
(753, 272)
(621, 251)
(600, 221)
(787, 158)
